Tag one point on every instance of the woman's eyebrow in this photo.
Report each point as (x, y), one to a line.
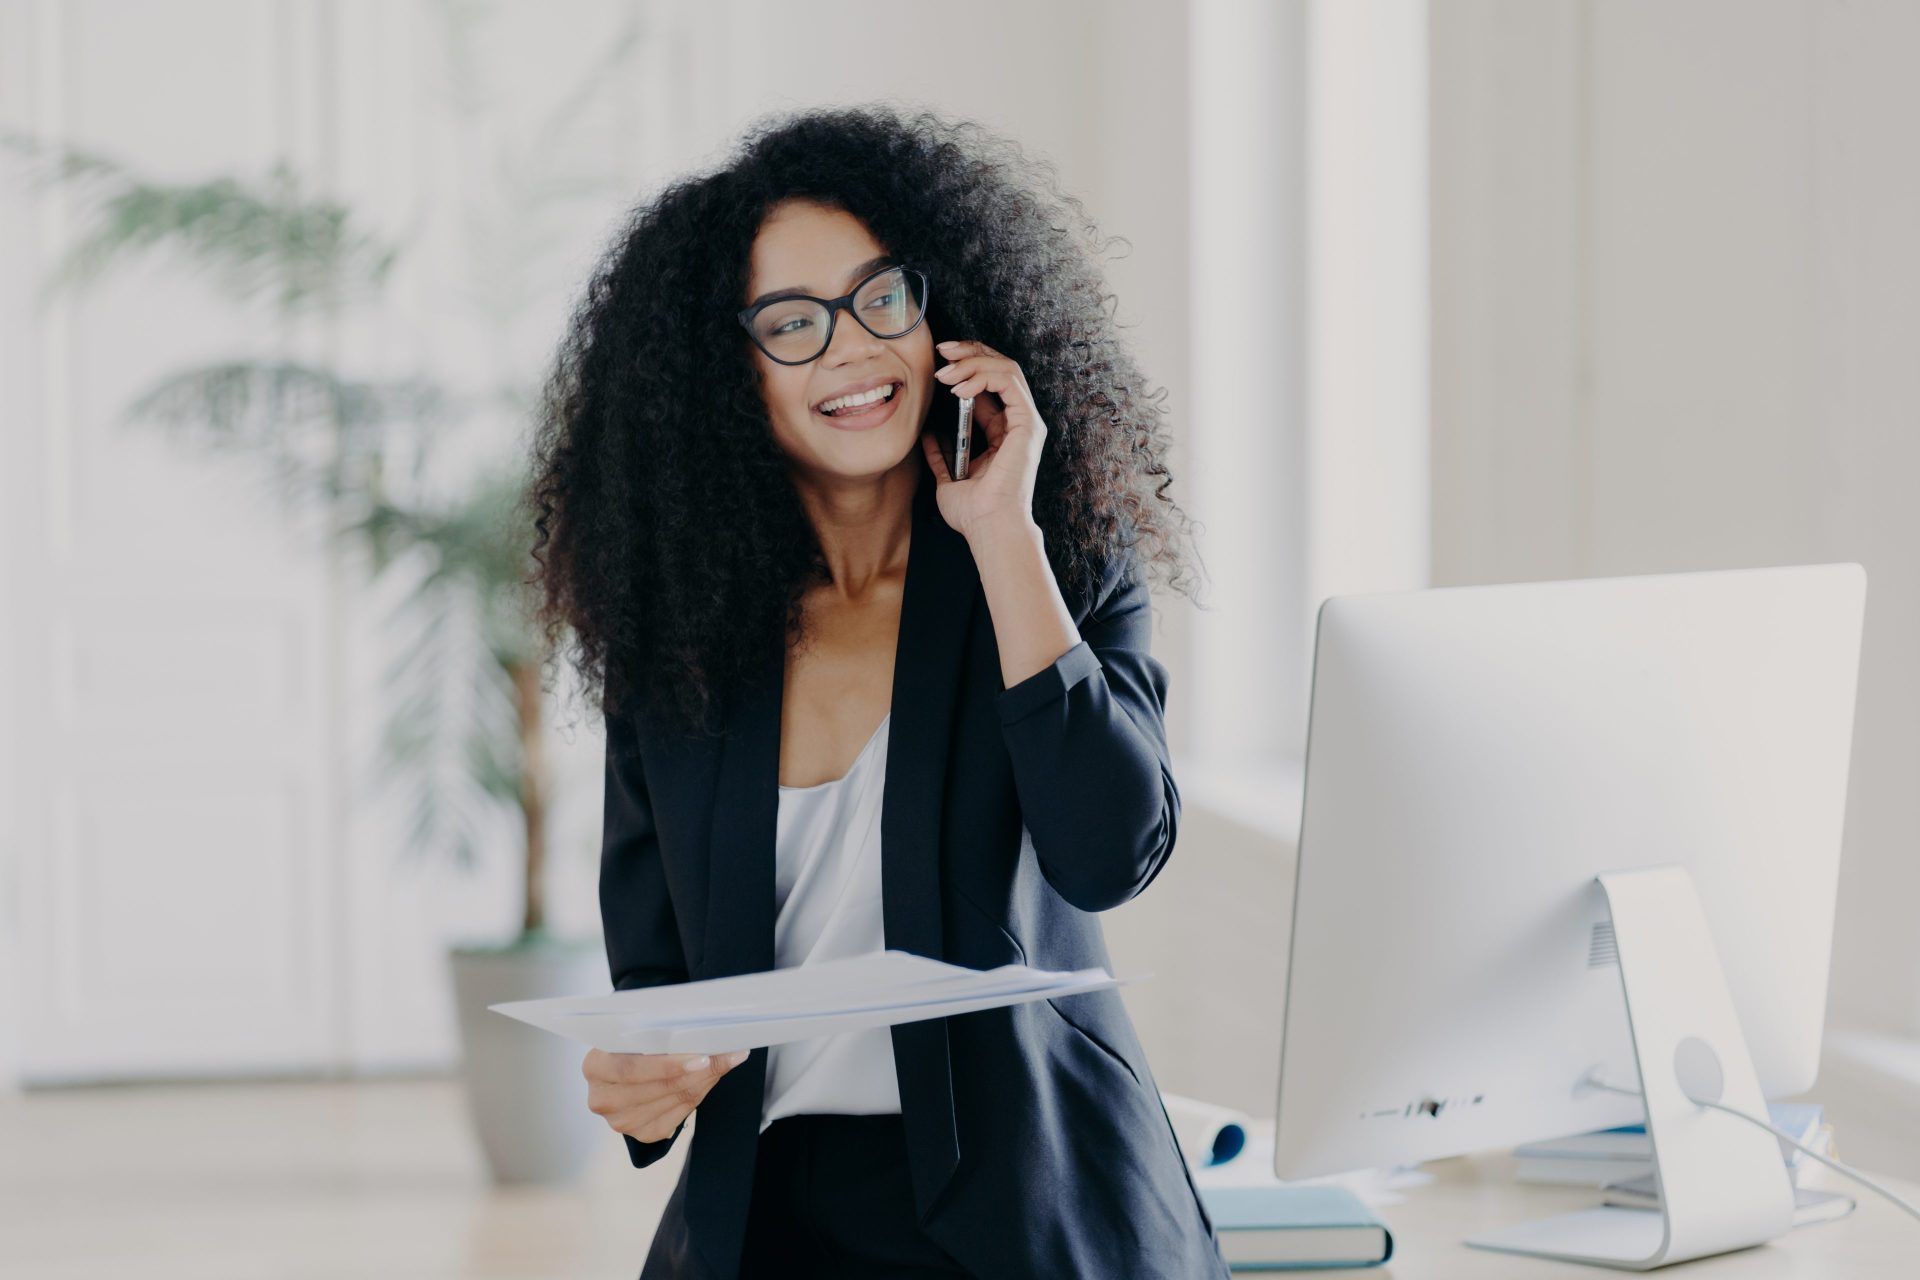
(871, 264)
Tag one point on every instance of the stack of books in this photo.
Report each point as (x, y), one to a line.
(1624, 1155)
(1281, 1226)
(1264, 1224)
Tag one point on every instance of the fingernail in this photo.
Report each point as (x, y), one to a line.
(944, 345)
(739, 1056)
(698, 1064)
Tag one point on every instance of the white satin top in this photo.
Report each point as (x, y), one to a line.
(827, 904)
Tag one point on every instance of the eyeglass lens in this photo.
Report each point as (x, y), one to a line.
(795, 329)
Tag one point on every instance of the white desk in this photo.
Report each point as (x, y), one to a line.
(1473, 1193)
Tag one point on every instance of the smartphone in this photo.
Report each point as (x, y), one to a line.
(963, 439)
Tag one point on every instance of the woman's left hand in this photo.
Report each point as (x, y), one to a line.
(998, 491)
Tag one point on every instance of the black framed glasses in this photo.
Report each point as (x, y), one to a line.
(890, 303)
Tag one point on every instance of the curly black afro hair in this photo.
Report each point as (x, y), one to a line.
(669, 553)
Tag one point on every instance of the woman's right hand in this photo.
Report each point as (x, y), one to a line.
(647, 1095)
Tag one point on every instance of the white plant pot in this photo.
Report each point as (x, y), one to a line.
(525, 1094)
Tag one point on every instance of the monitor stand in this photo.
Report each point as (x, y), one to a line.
(1723, 1185)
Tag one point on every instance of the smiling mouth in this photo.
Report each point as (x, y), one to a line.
(855, 411)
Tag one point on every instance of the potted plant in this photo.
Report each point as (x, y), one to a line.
(366, 452)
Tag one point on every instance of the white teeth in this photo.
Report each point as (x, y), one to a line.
(841, 402)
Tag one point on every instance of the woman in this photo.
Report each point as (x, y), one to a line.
(855, 703)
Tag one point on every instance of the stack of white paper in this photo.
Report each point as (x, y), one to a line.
(751, 1010)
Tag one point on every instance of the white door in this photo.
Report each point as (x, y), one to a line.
(169, 815)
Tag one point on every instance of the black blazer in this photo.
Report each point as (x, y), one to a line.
(1036, 1137)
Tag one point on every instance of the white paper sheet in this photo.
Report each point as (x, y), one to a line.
(752, 1010)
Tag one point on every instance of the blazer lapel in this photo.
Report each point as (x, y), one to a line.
(936, 615)
(737, 938)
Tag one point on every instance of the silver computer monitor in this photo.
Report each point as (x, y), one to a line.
(1476, 756)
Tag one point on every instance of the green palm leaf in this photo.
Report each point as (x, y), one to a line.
(262, 238)
(365, 449)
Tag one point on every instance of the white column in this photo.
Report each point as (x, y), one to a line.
(1248, 685)
(1367, 503)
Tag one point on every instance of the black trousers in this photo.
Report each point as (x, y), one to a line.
(832, 1197)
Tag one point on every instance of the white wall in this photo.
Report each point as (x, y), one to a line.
(1674, 271)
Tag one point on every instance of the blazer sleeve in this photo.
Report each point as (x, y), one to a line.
(643, 941)
(1088, 745)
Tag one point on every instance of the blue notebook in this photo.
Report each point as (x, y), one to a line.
(1288, 1228)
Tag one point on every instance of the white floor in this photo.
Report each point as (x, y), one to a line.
(369, 1180)
(272, 1181)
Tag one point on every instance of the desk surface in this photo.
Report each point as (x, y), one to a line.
(1474, 1193)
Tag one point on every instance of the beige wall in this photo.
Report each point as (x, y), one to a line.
(1675, 272)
